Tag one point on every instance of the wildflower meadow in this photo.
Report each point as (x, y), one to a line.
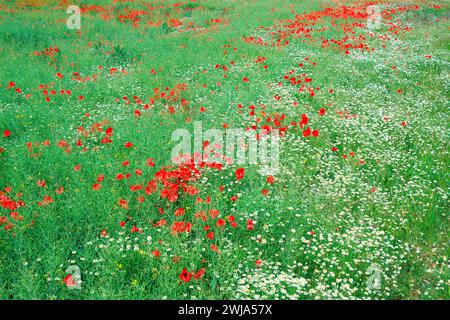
(224, 149)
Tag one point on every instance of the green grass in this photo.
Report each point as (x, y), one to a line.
(320, 222)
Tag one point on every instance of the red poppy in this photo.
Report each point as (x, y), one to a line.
(239, 174)
(185, 275)
(150, 162)
(41, 183)
(304, 120)
(156, 253)
(123, 203)
(179, 212)
(220, 222)
(307, 132)
(180, 226)
(69, 281)
(214, 213)
(199, 274)
(6, 133)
